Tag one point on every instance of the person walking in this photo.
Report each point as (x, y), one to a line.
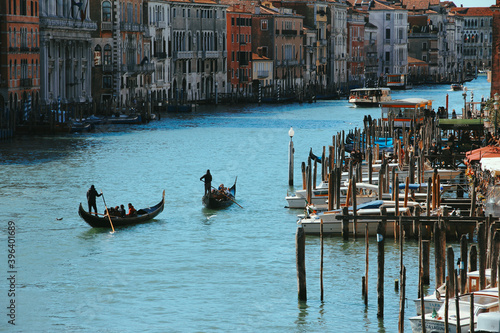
(91, 196)
(208, 182)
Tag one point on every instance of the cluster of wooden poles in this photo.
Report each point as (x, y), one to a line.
(426, 227)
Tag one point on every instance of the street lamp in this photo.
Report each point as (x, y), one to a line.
(291, 132)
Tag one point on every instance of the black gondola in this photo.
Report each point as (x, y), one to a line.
(217, 199)
(143, 215)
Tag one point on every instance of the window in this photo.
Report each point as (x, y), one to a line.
(107, 82)
(387, 56)
(97, 56)
(387, 17)
(106, 11)
(387, 33)
(107, 55)
(263, 25)
(424, 46)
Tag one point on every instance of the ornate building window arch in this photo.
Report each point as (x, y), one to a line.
(107, 55)
(106, 11)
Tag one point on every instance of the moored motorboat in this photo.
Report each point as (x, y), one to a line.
(222, 198)
(143, 215)
(484, 301)
(124, 119)
(333, 226)
(457, 87)
(367, 97)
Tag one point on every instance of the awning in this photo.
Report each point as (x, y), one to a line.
(461, 124)
(481, 153)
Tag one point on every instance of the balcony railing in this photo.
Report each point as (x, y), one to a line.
(289, 32)
(160, 55)
(26, 82)
(132, 27)
(161, 25)
(211, 54)
(184, 55)
(107, 68)
(106, 26)
(262, 74)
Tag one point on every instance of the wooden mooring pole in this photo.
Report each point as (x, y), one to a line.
(380, 265)
(321, 260)
(300, 249)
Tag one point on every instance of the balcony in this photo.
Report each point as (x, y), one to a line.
(26, 83)
(107, 68)
(323, 42)
(161, 25)
(289, 32)
(160, 55)
(138, 69)
(106, 26)
(262, 74)
(24, 49)
(211, 54)
(132, 27)
(184, 55)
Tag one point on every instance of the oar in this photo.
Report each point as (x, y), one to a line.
(224, 194)
(107, 212)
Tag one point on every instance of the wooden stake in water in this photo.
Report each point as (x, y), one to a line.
(321, 260)
(380, 265)
(300, 249)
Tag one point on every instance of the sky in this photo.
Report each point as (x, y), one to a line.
(474, 3)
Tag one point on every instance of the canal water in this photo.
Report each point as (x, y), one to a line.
(192, 269)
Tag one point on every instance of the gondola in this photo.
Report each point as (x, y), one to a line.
(143, 215)
(217, 199)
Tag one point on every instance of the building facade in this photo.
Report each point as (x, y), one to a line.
(239, 50)
(356, 48)
(337, 47)
(160, 52)
(66, 56)
(20, 59)
(392, 37)
(277, 35)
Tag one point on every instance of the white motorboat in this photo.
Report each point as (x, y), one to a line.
(332, 226)
(365, 192)
(366, 97)
(435, 300)
(484, 301)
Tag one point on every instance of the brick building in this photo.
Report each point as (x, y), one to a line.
(121, 54)
(20, 61)
(277, 34)
(239, 50)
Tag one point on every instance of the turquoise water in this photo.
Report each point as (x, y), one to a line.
(192, 269)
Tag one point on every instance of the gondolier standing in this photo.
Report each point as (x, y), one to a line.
(208, 182)
(91, 195)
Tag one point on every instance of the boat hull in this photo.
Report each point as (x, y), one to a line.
(144, 215)
(212, 201)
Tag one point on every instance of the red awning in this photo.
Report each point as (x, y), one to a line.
(478, 154)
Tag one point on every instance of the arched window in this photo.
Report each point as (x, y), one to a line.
(107, 55)
(106, 11)
(97, 55)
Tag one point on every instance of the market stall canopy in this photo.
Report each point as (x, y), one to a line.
(491, 164)
(481, 153)
(461, 124)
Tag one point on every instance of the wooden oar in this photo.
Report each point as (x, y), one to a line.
(224, 194)
(107, 212)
